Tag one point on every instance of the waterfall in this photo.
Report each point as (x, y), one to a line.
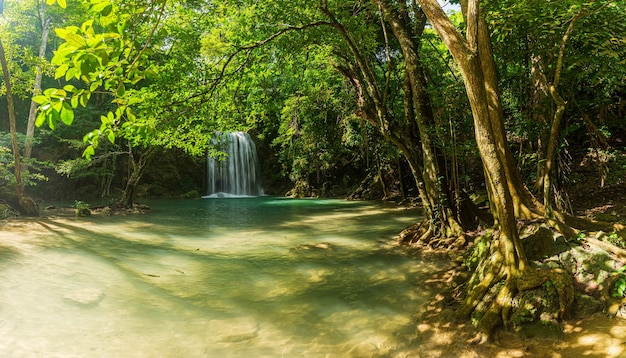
(239, 173)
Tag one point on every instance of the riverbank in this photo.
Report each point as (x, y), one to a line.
(439, 334)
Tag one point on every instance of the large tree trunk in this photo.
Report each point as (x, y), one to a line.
(505, 269)
(410, 134)
(27, 205)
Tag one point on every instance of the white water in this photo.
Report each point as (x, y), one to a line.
(258, 277)
(239, 174)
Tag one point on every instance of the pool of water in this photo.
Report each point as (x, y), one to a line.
(251, 277)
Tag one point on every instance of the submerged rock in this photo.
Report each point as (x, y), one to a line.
(85, 296)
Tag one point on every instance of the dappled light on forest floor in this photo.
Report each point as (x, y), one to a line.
(440, 334)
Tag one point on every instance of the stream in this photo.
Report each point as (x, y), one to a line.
(245, 277)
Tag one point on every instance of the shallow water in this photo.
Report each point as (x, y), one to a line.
(214, 277)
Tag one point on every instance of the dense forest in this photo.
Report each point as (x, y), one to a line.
(500, 119)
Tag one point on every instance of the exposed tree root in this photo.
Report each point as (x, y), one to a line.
(429, 235)
(493, 287)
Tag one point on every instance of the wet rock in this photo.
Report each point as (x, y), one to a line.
(193, 194)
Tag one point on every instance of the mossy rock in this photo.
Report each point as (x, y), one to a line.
(585, 305)
(83, 212)
(537, 312)
(541, 243)
(542, 329)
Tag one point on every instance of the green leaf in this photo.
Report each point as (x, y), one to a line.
(40, 99)
(121, 90)
(57, 106)
(67, 114)
(61, 70)
(41, 118)
(72, 73)
(84, 98)
(89, 152)
(53, 118)
(107, 10)
(111, 137)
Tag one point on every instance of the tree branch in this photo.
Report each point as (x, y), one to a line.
(247, 49)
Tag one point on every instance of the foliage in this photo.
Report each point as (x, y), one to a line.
(31, 178)
(593, 76)
(619, 288)
(82, 208)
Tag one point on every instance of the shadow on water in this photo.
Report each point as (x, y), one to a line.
(316, 280)
(202, 278)
(7, 253)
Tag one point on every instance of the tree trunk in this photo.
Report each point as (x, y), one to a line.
(556, 120)
(137, 168)
(411, 134)
(505, 269)
(32, 114)
(27, 205)
(407, 34)
(541, 112)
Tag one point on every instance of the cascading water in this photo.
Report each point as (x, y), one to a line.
(239, 174)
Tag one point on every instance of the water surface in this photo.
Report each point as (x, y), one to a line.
(255, 277)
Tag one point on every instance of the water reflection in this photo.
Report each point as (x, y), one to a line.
(244, 277)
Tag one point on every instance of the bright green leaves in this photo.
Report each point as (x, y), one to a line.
(104, 8)
(62, 3)
(54, 108)
(87, 55)
(100, 56)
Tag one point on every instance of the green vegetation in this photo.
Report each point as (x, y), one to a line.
(520, 103)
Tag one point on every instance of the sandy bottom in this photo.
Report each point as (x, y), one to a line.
(435, 333)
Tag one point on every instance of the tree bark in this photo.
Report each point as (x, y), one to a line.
(32, 114)
(27, 205)
(541, 112)
(138, 165)
(506, 266)
(408, 35)
(556, 120)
